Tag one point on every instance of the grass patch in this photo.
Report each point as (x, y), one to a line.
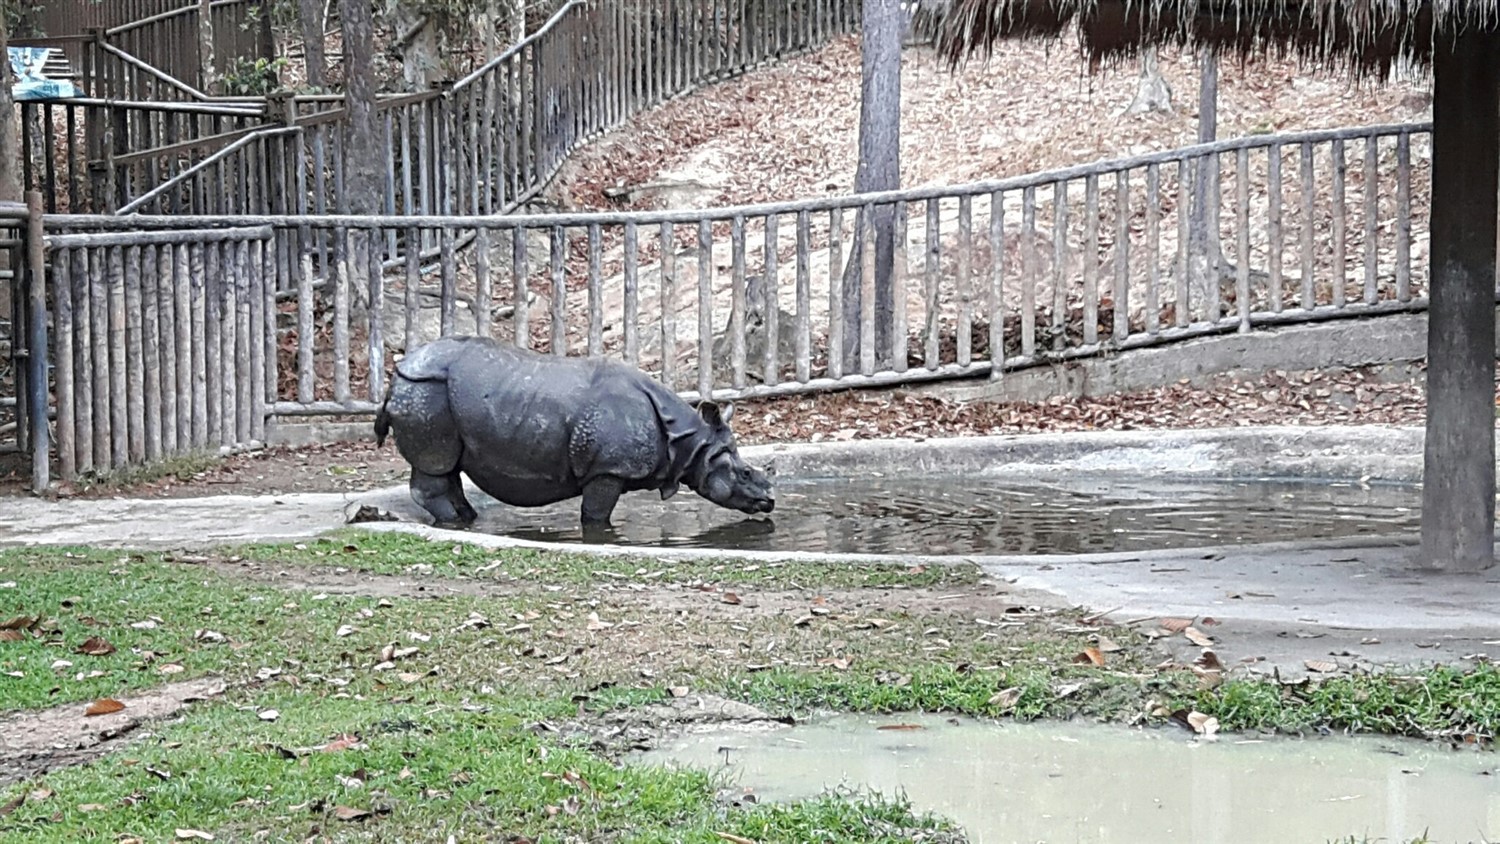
(161, 622)
(182, 467)
(394, 552)
(1441, 701)
(445, 695)
(419, 771)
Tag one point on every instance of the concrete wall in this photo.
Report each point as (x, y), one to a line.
(1396, 338)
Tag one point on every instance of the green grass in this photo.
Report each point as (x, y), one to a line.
(156, 615)
(182, 467)
(394, 552)
(450, 742)
(421, 769)
(1440, 701)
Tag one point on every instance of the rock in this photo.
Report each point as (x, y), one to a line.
(359, 513)
(429, 322)
(755, 346)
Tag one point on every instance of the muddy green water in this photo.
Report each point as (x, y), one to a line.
(1092, 784)
(929, 515)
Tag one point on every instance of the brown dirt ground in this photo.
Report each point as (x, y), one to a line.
(37, 742)
(790, 131)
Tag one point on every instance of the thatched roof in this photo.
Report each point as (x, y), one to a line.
(1366, 37)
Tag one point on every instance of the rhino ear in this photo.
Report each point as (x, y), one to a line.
(669, 490)
(726, 413)
(711, 414)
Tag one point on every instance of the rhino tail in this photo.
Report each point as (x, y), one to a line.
(383, 415)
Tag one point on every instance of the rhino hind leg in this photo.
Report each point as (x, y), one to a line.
(443, 497)
(434, 448)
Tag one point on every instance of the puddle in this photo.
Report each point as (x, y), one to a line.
(926, 515)
(1085, 783)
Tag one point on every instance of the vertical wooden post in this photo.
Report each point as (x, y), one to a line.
(207, 78)
(36, 362)
(1458, 491)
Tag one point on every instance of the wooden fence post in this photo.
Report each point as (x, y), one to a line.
(36, 361)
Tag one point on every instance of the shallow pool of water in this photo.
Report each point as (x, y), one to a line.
(1085, 783)
(926, 515)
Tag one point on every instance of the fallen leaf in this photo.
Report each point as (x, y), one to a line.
(348, 813)
(900, 727)
(1321, 666)
(194, 834)
(1108, 645)
(91, 807)
(96, 646)
(342, 742)
(1069, 690)
(734, 839)
(345, 630)
(170, 668)
(596, 625)
(800, 622)
(1196, 636)
(12, 636)
(1203, 725)
(729, 598)
(1208, 660)
(1176, 625)
(841, 663)
(1209, 621)
(104, 706)
(678, 691)
(1090, 656)
(20, 622)
(13, 804)
(1006, 698)
(268, 714)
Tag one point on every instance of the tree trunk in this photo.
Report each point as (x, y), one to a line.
(311, 14)
(208, 77)
(1206, 255)
(487, 30)
(10, 148)
(1153, 93)
(364, 157)
(517, 21)
(1458, 475)
(417, 39)
(882, 25)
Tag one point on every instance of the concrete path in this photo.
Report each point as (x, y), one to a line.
(1352, 602)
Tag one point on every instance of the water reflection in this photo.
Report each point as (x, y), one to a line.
(1091, 783)
(970, 516)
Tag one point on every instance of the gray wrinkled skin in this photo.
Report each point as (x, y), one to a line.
(532, 429)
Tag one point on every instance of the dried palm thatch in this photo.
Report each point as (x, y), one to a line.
(1363, 37)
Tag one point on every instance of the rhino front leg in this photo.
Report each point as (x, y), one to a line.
(443, 497)
(599, 498)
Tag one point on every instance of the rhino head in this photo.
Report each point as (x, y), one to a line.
(719, 474)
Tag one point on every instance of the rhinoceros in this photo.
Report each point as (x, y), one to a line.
(532, 429)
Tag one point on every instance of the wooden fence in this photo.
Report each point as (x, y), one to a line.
(485, 144)
(135, 49)
(737, 302)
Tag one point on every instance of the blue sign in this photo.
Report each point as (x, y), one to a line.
(28, 64)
